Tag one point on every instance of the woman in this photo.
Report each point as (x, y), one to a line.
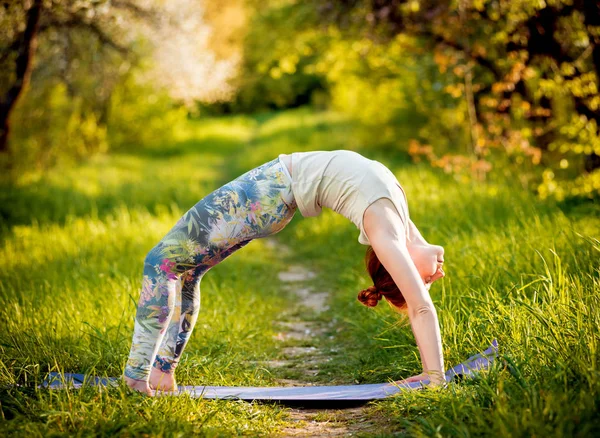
(260, 203)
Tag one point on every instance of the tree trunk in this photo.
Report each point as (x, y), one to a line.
(25, 52)
(592, 19)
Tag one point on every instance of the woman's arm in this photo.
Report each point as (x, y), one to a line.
(421, 311)
(381, 224)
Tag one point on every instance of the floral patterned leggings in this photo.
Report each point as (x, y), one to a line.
(256, 204)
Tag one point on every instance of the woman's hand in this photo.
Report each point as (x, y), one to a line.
(435, 378)
(417, 378)
(439, 273)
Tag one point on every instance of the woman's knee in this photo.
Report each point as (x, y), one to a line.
(153, 258)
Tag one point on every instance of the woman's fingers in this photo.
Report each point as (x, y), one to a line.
(439, 273)
(416, 378)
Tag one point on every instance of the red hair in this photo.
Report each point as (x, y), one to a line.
(383, 284)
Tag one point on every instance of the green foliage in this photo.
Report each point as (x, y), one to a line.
(89, 90)
(53, 128)
(479, 89)
(394, 89)
(141, 116)
(279, 47)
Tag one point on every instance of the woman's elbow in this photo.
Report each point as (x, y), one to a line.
(423, 309)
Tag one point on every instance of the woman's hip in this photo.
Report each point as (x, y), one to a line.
(256, 204)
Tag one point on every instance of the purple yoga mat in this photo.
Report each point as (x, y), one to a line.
(364, 392)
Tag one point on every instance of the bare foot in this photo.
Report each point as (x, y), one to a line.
(139, 385)
(162, 381)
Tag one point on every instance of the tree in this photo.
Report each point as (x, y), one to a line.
(23, 22)
(529, 69)
(22, 46)
(172, 35)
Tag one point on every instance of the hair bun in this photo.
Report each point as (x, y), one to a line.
(369, 296)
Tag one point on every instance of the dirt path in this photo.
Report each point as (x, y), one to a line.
(303, 336)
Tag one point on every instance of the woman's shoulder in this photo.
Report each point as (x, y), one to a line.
(382, 220)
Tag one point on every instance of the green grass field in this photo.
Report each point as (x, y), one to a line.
(73, 242)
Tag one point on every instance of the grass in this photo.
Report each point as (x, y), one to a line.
(73, 241)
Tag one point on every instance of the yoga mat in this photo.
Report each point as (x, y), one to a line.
(299, 395)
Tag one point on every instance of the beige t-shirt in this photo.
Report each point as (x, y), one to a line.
(346, 182)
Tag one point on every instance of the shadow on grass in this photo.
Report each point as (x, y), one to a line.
(47, 204)
(222, 144)
(143, 179)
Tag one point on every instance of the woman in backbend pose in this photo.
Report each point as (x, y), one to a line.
(260, 203)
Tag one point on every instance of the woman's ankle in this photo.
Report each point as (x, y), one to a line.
(162, 380)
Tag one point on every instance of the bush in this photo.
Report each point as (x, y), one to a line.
(51, 128)
(141, 116)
